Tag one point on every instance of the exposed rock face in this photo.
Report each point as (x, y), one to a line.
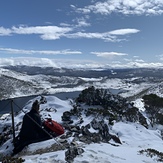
(102, 109)
(108, 105)
(95, 132)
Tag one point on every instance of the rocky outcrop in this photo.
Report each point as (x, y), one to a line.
(89, 121)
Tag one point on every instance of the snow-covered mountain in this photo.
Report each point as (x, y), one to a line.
(25, 81)
(93, 133)
(137, 142)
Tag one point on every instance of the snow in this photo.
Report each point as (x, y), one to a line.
(91, 79)
(134, 137)
(139, 104)
(45, 83)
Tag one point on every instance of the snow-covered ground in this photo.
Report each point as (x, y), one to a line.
(49, 84)
(133, 136)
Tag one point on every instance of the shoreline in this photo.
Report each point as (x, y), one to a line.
(5, 105)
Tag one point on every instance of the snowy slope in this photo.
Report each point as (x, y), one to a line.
(133, 136)
(15, 84)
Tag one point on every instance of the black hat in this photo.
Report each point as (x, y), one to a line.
(36, 105)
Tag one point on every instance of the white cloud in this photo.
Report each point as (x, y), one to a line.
(40, 30)
(127, 60)
(135, 56)
(45, 62)
(108, 54)
(46, 32)
(127, 7)
(124, 31)
(41, 62)
(78, 64)
(110, 36)
(5, 31)
(47, 52)
(54, 32)
(85, 35)
(134, 59)
(82, 22)
(160, 57)
(145, 64)
(116, 62)
(139, 60)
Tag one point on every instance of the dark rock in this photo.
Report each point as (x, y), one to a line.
(72, 152)
(115, 138)
(43, 100)
(67, 117)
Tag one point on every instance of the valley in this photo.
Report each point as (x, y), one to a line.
(21, 81)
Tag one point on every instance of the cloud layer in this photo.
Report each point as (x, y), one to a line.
(80, 27)
(126, 7)
(77, 64)
(108, 54)
(46, 52)
(55, 32)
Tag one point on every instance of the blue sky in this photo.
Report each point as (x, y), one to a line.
(121, 33)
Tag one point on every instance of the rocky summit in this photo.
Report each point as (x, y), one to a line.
(88, 119)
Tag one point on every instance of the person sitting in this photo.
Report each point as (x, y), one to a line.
(31, 130)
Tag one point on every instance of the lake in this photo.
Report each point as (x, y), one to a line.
(19, 102)
(5, 105)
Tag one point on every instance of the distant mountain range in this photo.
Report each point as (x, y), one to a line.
(17, 81)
